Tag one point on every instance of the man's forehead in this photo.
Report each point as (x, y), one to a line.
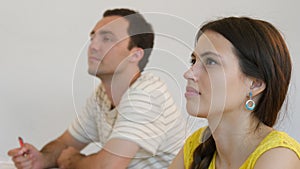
(112, 23)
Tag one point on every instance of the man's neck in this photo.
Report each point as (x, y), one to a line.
(117, 85)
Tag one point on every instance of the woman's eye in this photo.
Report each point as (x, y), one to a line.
(193, 61)
(210, 62)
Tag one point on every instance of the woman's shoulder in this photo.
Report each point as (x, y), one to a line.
(274, 142)
(191, 143)
(280, 139)
(196, 136)
(194, 140)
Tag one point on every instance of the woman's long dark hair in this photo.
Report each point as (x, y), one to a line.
(262, 54)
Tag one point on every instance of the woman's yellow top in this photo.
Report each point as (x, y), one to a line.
(272, 140)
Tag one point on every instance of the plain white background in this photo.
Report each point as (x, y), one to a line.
(44, 80)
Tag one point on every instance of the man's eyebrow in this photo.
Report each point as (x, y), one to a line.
(102, 32)
(92, 33)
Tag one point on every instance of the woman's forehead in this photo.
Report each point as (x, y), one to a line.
(211, 41)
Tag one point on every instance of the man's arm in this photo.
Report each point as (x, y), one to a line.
(52, 150)
(117, 153)
(29, 157)
(178, 162)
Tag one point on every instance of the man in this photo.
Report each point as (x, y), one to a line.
(131, 114)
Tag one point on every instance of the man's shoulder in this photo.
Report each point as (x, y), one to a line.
(149, 77)
(149, 82)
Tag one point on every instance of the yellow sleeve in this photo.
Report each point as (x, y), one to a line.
(273, 140)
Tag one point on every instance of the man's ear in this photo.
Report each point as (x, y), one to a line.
(136, 54)
(257, 86)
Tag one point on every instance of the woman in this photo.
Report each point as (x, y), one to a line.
(238, 80)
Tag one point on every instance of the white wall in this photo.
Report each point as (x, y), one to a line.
(43, 65)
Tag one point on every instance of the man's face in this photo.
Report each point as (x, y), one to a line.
(108, 48)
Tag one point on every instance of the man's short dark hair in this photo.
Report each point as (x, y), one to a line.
(140, 32)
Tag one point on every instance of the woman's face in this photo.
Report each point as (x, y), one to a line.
(215, 83)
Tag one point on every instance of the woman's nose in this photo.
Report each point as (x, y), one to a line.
(189, 74)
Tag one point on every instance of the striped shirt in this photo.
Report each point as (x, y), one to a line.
(146, 115)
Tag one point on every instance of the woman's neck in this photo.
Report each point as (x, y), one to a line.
(236, 138)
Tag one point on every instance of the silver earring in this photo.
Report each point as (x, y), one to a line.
(250, 104)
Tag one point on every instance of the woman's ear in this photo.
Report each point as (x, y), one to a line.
(257, 86)
(136, 54)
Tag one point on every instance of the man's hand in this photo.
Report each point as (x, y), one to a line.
(27, 157)
(68, 158)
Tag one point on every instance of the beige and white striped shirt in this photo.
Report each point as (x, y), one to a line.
(146, 115)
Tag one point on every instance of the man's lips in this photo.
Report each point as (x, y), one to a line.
(94, 59)
(190, 91)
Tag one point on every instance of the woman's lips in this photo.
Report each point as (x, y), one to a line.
(190, 92)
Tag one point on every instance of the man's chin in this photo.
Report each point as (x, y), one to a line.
(92, 72)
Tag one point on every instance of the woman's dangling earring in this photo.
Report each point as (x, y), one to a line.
(250, 104)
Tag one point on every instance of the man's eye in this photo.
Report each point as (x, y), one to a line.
(106, 39)
(92, 37)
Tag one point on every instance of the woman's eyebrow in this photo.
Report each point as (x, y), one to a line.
(193, 54)
(205, 54)
(209, 53)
